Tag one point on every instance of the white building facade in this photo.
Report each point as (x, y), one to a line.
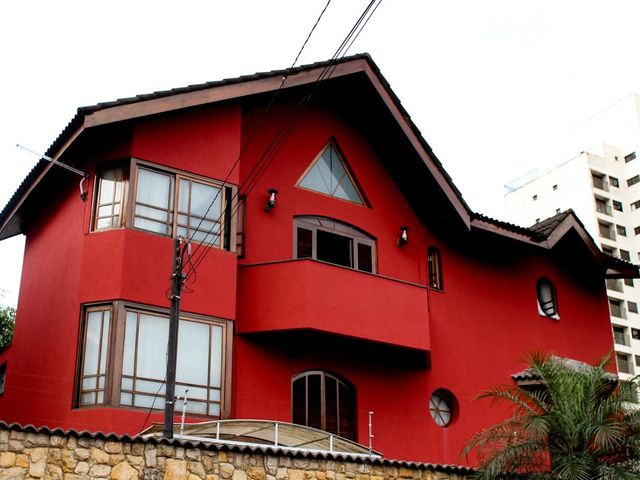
(602, 185)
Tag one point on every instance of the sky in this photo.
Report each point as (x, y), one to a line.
(493, 85)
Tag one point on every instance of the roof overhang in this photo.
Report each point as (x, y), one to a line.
(214, 92)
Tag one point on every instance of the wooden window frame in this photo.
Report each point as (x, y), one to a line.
(344, 229)
(434, 269)
(113, 380)
(323, 374)
(228, 201)
(125, 166)
(364, 202)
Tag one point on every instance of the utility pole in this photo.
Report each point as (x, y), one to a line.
(177, 278)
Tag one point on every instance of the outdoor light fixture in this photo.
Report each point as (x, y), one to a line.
(403, 239)
(271, 202)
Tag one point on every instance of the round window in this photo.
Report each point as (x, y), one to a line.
(441, 407)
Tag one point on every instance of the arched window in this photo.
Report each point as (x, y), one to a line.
(547, 300)
(322, 400)
(332, 241)
(435, 268)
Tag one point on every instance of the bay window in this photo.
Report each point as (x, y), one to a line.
(165, 202)
(123, 359)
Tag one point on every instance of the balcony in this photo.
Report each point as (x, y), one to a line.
(614, 284)
(600, 183)
(309, 295)
(603, 208)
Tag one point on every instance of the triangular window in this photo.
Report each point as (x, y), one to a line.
(329, 175)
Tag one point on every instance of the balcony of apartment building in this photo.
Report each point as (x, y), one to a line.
(615, 284)
(603, 207)
(606, 230)
(307, 295)
(617, 309)
(599, 181)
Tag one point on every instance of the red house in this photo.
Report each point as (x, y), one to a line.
(334, 269)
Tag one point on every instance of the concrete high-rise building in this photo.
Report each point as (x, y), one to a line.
(602, 185)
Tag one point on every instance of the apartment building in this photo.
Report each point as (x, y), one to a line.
(602, 186)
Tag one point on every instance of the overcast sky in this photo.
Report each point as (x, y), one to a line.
(494, 86)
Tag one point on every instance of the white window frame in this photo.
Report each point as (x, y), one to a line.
(336, 227)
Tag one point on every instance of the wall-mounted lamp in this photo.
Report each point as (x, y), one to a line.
(403, 239)
(271, 202)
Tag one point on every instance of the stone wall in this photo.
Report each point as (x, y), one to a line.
(29, 453)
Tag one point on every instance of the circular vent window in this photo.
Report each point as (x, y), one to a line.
(441, 407)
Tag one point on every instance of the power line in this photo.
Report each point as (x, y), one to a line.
(259, 123)
(286, 130)
(274, 146)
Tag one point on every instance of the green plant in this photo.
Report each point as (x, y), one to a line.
(575, 422)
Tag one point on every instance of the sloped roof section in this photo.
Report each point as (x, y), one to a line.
(545, 234)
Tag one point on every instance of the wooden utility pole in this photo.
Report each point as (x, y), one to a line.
(177, 279)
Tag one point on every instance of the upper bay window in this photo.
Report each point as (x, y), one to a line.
(335, 242)
(123, 359)
(167, 203)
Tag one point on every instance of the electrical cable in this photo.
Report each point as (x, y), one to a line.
(260, 121)
(288, 128)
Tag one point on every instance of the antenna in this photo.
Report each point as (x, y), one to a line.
(84, 175)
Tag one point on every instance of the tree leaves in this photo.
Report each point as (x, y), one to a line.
(575, 423)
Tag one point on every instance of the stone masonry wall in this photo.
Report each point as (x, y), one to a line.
(54, 455)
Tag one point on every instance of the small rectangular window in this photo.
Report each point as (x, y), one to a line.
(614, 182)
(305, 243)
(617, 205)
(625, 255)
(555, 187)
(628, 282)
(108, 209)
(635, 205)
(621, 230)
(636, 230)
(534, 198)
(631, 156)
(632, 306)
(635, 334)
(633, 180)
(637, 360)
